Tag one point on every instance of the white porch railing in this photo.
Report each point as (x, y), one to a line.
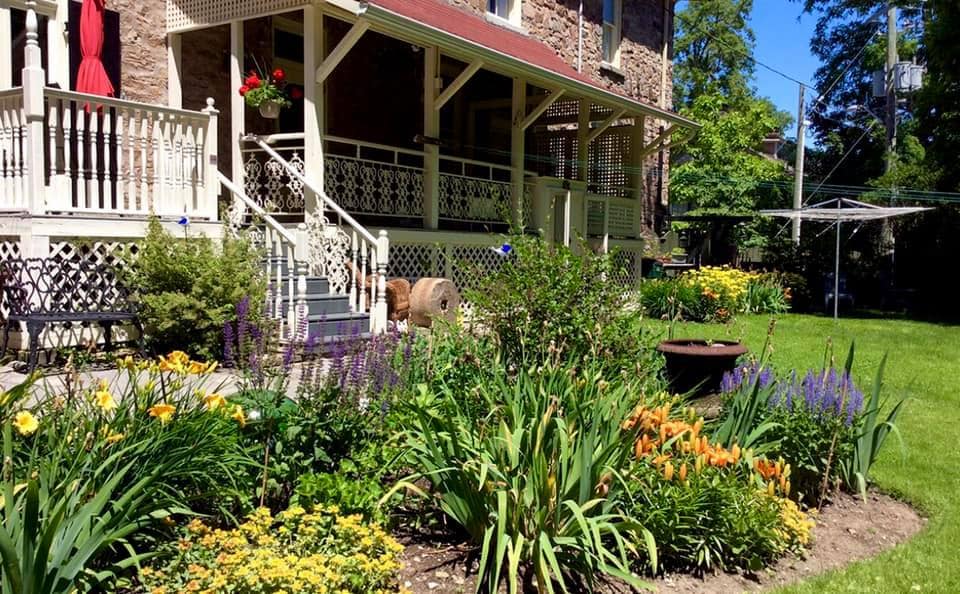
(284, 249)
(343, 253)
(377, 179)
(107, 156)
(13, 167)
(112, 156)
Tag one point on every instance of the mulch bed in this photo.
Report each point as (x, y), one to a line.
(847, 530)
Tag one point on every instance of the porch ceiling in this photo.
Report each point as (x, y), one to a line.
(469, 37)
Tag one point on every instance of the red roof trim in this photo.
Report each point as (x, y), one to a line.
(439, 15)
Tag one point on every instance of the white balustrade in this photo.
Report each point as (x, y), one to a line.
(114, 156)
(13, 191)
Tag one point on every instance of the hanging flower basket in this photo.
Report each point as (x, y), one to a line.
(270, 109)
(269, 93)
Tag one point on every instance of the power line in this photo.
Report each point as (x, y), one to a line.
(745, 54)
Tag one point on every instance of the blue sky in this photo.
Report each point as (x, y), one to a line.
(783, 35)
(783, 42)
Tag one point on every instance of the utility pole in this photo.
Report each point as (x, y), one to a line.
(892, 60)
(798, 167)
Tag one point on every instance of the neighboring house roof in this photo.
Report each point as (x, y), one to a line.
(450, 27)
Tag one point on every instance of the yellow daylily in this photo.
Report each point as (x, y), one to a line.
(239, 416)
(214, 401)
(164, 412)
(114, 437)
(104, 400)
(25, 423)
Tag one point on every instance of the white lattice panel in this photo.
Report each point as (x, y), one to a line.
(414, 261)
(470, 263)
(621, 218)
(9, 249)
(116, 254)
(183, 15)
(627, 263)
(607, 158)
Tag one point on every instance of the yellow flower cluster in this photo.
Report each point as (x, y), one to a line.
(297, 551)
(795, 525)
(721, 283)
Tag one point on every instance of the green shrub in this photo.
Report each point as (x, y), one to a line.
(672, 299)
(187, 289)
(766, 297)
(546, 299)
(307, 552)
(536, 482)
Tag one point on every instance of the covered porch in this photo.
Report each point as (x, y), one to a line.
(419, 117)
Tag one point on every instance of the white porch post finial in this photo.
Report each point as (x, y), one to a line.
(34, 80)
(211, 158)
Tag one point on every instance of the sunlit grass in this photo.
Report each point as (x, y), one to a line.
(924, 367)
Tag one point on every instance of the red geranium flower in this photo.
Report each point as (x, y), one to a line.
(296, 93)
(279, 75)
(252, 81)
(244, 90)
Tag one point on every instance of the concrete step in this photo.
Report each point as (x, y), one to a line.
(321, 303)
(341, 324)
(316, 285)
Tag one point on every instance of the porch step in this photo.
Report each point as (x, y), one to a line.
(321, 303)
(348, 324)
(316, 285)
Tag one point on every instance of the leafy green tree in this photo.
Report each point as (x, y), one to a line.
(713, 50)
(722, 171)
(938, 106)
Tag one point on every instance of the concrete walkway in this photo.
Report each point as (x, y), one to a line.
(225, 382)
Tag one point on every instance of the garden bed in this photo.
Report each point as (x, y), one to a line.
(848, 530)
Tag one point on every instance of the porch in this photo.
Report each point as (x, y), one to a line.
(437, 127)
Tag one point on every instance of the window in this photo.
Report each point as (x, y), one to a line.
(508, 10)
(612, 10)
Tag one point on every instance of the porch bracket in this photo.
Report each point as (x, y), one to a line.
(343, 48)
(596, 132)
(538, 110)
(654, 145)
(457, 84)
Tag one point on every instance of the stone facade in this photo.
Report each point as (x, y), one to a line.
(143, 43)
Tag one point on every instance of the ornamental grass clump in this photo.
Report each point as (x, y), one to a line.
(301, 551)
(536, 483)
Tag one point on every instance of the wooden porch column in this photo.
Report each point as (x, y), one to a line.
(517, 150)
(237, 105)
(583, 144)
(431, 130)
(637, 178)
(34, 109)
(314, 103)
(58, 50)
(175, 70)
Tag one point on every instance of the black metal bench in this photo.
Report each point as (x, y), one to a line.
(40, 291)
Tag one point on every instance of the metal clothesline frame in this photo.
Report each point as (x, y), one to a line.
(836, 211)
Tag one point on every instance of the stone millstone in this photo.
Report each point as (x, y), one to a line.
(433, 298)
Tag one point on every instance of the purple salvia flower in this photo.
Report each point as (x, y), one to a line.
(228, 339)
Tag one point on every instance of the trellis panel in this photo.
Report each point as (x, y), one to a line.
(185, 15)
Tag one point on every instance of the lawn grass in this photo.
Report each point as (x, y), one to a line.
(924, 367)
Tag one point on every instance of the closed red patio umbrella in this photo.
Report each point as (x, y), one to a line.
(92, 77)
